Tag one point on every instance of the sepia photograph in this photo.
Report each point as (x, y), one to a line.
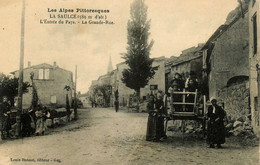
(130, 82)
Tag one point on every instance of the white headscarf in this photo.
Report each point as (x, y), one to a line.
(214, 108)
(212, 98)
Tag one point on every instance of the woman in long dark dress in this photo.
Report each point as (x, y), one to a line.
(216, 128)
(152, 120)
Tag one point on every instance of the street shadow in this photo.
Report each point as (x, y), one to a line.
(192, 140)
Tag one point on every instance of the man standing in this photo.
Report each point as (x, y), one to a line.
(216, 128)
(116, 104)
(4, 118)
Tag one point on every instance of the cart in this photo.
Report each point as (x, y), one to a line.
(184, 106)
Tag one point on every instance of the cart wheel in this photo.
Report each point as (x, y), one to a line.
(182, 125)
(204, 127)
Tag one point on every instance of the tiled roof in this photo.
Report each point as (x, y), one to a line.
(41, 65)
(187, 55)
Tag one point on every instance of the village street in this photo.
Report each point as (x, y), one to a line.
(102, 136)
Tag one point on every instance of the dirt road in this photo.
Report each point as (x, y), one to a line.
(102, 136)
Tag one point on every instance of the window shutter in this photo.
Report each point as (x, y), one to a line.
(40, 74)
(47, 74)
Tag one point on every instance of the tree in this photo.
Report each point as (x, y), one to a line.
(35, 97)
(138, 50)
(103, 90)
(9, 87)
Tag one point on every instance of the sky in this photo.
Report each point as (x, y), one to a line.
(175, 26)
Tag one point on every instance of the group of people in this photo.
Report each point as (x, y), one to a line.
(32, 121)
(157, 113)
(41, 114)
(215, 114)
(178, 84)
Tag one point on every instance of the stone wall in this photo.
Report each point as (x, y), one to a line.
(229, 57)
(236, 100)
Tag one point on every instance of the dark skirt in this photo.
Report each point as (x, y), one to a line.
(215, 132)
(4, 127)
(155, 127)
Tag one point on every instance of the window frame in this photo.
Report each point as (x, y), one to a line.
(42, 74)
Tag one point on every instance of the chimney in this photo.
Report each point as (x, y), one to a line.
(54, 64)
(29, 63)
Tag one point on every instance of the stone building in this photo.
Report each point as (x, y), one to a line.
(158, 81)
(49, 81)
(190, 60)
(104, 80)
(254, 59)
(83, 99)
(123, 91)
(109, 80)
(226, 64)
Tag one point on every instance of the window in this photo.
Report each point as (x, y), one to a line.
(53, 99)
(254, 19)
(44, 74)
(256, 103)
(41, 74)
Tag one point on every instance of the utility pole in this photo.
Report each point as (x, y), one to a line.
(20, 82)
(75, 96)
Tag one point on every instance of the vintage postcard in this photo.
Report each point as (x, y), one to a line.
(129, 82)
